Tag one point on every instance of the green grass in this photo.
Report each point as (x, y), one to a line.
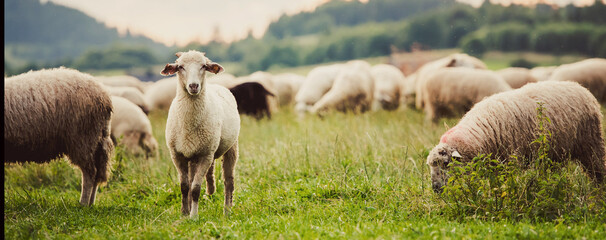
(343, 177)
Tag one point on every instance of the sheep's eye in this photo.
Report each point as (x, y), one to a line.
(434, 163)
(442, 153)
(180, 67)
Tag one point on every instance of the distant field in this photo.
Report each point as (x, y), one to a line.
(494, 60)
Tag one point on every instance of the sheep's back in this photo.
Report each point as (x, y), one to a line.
(52, 112)
(506, 123)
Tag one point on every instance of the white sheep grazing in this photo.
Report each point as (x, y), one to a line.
(453, 91)
(132, 94)
(590, 73)
(409, 90)
(542, 73)
(352, 90)
(506, 124)
(161, 94)
(389, 81)
(203, 124)
(131, 124)
(516, 77)
(453, 60)
(122, 81)
(286, 86)
(318, 81)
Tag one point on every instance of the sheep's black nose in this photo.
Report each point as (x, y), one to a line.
(194, 86)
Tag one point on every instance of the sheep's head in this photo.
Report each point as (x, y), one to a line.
(191, 67)
(438, 159)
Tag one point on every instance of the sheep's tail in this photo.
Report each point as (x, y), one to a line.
(103, 153)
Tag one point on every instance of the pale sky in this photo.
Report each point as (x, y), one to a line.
(183, 21)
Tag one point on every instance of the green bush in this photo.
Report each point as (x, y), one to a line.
(563, 38)
(597, 46)
(523, 63)
(509, 37)
(473, 45)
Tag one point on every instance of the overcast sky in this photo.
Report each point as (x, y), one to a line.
(183, 21)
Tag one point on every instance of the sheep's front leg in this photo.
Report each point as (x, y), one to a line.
(199, 167)
(182, 169)
(91, 200)
(88, 186)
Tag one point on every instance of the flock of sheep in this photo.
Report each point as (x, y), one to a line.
(63, 112)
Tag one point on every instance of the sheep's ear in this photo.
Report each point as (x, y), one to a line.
(456, 155)
(213, 67)
(452, 62)
(178, 54)
(169, 69)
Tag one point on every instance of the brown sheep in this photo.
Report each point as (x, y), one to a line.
(453, 60)
(516, 77)
(122, 81)
(132, 94)
(59, 112)
(505, 124)
(590, 73)
(451, 92)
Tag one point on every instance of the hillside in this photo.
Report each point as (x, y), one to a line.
(36, 32)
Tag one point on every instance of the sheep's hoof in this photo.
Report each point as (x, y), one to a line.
(193, 215)
(226, 211)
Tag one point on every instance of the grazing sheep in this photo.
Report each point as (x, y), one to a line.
(59, 112)
(409, 90)
(590, 73)
(252, 99)
(389, 81)
(122, 81)
(453, 91)
(352, 90)
(161, 94)
(224, 79)
(453, 60)
(318, 81)
(132, 94)
(516, 77)
(505, 124)
(286, 86)
(542, 73)
(131, 123)
(203, 124)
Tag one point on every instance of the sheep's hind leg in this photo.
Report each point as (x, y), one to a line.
(198, 167)
(210, 179)
(229, 163)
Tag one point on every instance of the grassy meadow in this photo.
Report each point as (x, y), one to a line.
(343, 176)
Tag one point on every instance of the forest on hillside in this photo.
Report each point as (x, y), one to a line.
(46, 34)
(433, 24)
